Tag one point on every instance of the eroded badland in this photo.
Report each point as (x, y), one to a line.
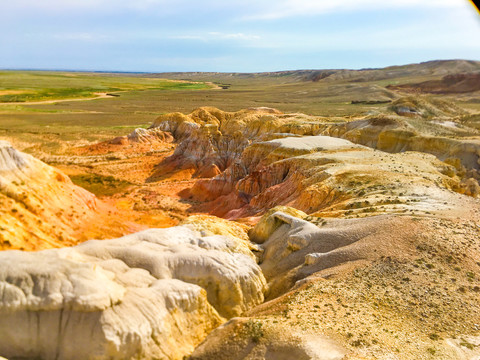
(294, 215)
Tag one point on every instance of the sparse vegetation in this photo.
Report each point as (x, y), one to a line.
(100, 185)
(27, 86)
(254, 330)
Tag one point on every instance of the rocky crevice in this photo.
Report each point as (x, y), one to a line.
(239, 153)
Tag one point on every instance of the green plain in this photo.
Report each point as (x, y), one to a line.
(143, 97)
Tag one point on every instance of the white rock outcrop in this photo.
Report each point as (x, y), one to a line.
(153, 294)
(296, 248)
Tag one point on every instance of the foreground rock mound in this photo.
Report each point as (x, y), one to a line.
(153, 294)
(243, 338)
(39, 206)
(381, 287)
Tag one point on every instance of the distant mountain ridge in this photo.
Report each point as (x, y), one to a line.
(449, 84)
(435, 68)
(429, 68)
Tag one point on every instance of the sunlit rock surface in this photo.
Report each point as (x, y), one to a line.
(328, 176)
(141, 135)
(254, 159)
(243, 338)
(210, 140)
(153, 294)
(39, 205)
(359, 288)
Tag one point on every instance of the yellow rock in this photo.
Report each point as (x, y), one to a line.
(39, 205)
(269, 223)
(212, 225)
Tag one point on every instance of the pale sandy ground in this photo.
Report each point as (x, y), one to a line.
(99, 96)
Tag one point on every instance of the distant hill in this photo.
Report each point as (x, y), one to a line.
(435, 68)
(449, 84)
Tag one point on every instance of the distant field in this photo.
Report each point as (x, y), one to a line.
(48, 127)
(140, 98)
(25, 86)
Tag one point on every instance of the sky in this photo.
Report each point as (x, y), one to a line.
(233, 35)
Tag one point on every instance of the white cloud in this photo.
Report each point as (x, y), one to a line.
(288, 8)
(435, 33)
(238, 36)
(187, 37)
(80, 36)
(215, 35)
(101, 6)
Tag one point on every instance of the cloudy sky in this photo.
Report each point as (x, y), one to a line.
(233, 35)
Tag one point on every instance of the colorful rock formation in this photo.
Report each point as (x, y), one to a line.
(153, 294)
(39, 206)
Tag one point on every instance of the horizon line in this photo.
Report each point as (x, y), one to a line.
(225, 72)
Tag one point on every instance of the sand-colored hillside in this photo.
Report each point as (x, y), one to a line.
(41, 208)
(383, 287)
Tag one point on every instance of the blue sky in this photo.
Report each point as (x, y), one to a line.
(234, 35)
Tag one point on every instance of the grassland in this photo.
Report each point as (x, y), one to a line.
(26, 86)
(100, 185)
(142, 97)
(30, 112)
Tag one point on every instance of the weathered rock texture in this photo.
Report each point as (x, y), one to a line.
(141, 135)
(370, 286)
(39, 205)
(296, 248)
(243, 338)
(153, 294)
(327, 175)
(250, 155)
(210, 140)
